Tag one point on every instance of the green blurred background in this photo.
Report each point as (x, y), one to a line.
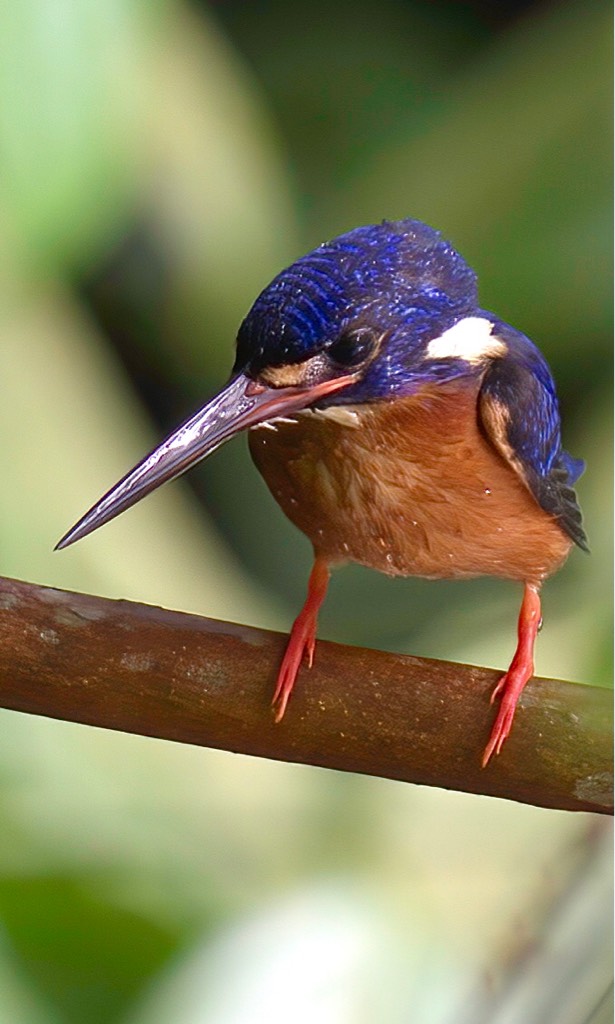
(159, 162)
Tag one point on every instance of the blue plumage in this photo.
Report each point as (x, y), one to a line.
(399, 277)
(522, 384)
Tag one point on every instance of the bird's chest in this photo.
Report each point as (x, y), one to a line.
(409, 487)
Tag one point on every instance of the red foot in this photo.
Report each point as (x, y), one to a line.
(519, 673)
(302, 638)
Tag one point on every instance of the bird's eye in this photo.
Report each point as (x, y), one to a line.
(352, 349)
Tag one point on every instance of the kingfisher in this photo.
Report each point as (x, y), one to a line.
(398, 425)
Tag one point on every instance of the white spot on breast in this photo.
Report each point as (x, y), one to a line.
(469, 339)
(325, 483)
(339, 414)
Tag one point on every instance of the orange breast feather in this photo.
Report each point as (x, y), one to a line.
(410, 487)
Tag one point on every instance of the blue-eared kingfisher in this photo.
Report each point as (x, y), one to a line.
(398, 425)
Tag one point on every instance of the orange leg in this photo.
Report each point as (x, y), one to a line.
(302, 638)
(520, 672)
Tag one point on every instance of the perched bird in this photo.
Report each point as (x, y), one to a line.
(398, 425)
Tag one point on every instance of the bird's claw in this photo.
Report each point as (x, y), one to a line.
(302, 644)
(302, 640)
(504, 720)
(510, 686)
(498, 689)
(520, 672)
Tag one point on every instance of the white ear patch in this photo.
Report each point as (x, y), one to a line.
(469, 339)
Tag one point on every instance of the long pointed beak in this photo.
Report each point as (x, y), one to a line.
(241, 404)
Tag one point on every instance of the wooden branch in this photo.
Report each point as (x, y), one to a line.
(180, 677)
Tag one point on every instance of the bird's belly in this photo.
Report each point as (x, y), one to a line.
(411, 488)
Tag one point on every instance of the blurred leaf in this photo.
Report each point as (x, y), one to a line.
(330, 954)
(85, 956)
(344, 78)
(516, 170)
(19, 1003)
(72, 92)
(219, 197)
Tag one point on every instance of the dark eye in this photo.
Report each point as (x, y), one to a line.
(352, 349)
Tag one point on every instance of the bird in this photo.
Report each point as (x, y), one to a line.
(398, 425)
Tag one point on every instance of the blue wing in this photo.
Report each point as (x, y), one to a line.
(519, 412)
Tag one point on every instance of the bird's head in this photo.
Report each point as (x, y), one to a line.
(365, 317)
(361, 309)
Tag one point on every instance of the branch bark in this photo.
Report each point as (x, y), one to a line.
(180, 677)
